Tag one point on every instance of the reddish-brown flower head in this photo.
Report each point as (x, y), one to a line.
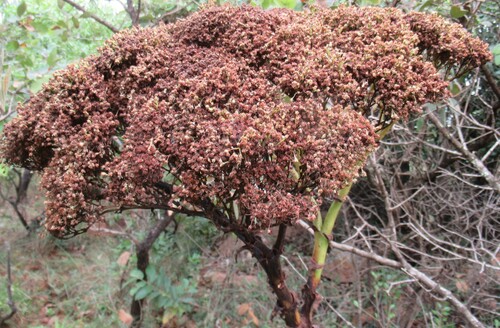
(259, 112)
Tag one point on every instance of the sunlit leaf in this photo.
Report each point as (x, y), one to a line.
(26, 61)
(266, 3)
(4, 170)
(65, 36)
(457, 12)
(76, 22)
(21, 9)
(37, 84)
(12, 45)
(454, 88)
(496, 54)
(62, 23)
(40, 27)
(286, 3)
(52, 58)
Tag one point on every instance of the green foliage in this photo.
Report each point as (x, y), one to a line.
(386, 296)
(173, 297)
(266, 4)
(154, 10)
(441, 316)
(369, 2)
(457, 12)
(496, 54)
(4, 170)
(39, 37)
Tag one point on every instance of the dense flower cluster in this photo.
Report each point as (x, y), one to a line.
(447, 44)
(263, 111)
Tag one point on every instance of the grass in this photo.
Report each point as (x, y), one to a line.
(76, 282)
(71, 283)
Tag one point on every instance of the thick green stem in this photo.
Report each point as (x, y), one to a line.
(320, 240)
(324, 227)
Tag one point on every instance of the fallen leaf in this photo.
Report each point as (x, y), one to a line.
(167, 317)
(125, 317)
(243, 308)
(253, 317)
(123, 259)
(246, 308)
(462, 286)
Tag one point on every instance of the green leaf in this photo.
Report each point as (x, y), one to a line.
(21, 9)
(12, 45)
(4, 170)
(40, 26)
(76, 22)
(26, 61)
(454, 88)
(65, 36)
(496, 53)
(457, 12)
(419, 124)
(370, 2)
(143, 292)
(146, 19)
(164, 302)
(425, 5)
(52, 58)
(60, 4)
(290, 4)
(151, 273)
(37, 84)
(137, 274)
(496, 49)
(62, 24)
(266, 3)
(138, 286)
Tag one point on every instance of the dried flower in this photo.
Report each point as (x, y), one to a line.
(266, 110)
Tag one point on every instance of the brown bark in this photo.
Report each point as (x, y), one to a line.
(287, 305)
(142, 253)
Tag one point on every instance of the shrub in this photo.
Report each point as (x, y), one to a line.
(247, 117)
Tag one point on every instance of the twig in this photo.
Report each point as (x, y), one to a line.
(293, 268)
(94, 17)
(10, 300)
(473, 159)
(491, 81)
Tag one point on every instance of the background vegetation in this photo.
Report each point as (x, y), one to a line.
(428, 181)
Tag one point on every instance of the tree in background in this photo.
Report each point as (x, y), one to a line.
(258, 117)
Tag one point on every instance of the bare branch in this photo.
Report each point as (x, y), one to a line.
(94, 17)
(404, 266)
(471, 157)
(491, 81)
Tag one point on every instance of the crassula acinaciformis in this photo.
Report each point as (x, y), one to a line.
(225, 102)
(254, 115)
